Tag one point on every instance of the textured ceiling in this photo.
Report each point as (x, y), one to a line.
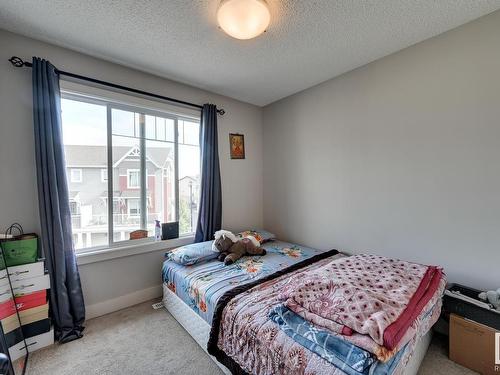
(308, 41)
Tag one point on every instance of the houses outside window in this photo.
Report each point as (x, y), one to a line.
(154, 164)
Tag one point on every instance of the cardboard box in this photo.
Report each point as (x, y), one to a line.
(473, 345)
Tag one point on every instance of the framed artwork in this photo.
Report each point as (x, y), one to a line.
(237, 146)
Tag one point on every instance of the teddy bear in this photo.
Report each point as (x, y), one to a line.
(491, 296)
(232, 247)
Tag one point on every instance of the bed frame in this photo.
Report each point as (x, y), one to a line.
(194, 324)
(199, 330)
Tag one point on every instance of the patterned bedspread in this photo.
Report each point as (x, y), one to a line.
(368, 294)
(257, 345)
(201, 285)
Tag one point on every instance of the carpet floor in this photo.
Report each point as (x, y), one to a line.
(140, 340)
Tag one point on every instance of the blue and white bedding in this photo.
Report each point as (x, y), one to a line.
(342, 354)
(201, 285)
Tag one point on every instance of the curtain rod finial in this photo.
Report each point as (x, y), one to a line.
(17, 61)
(221, 111)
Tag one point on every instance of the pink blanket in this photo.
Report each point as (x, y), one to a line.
(368, 294)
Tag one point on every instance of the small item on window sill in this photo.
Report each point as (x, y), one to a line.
(138, 234)
(170, 230)
(157, 230)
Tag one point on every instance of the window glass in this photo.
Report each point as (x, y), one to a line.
(126, 155)
(191, 133)
(160, 160)
(123, 123)
(85, 139)
(143, 161)
(189, 180)
(150, 127)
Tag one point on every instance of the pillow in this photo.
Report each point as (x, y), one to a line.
(259, 234)
(192, 254)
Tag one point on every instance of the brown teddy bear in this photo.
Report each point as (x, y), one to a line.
(232, 248)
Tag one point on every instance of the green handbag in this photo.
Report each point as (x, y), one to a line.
(20, 249)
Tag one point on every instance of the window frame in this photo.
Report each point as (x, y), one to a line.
(77, 207)
(76, 180)
(129, 173)
(148, 107)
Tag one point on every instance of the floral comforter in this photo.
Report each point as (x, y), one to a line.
(255, 343)
(368, 294)
(201, 285)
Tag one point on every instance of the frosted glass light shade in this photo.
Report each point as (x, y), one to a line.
(243, 19)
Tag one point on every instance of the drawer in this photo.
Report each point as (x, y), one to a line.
(23, 271)
(34, 343)
(34, 314)
(29, 330)
(30, 300)
(40, 341)
(30, 285)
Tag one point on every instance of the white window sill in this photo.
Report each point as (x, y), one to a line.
(100, 255)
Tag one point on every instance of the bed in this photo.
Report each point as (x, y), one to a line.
(201, 285)
(191, 294)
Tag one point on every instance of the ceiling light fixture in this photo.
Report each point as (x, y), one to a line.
(243, 19)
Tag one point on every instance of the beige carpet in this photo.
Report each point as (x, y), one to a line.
(140, 340)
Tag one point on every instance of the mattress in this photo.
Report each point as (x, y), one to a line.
(201, 285)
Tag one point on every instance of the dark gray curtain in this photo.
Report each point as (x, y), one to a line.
(210, 212)
(66, 299)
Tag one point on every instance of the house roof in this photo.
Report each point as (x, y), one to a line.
(96, 156)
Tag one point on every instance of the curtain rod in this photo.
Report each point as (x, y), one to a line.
(18, 63)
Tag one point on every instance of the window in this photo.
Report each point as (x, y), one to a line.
(153, 156)
(74, 207)
(133, 179)
(134, 207)
(76, 175)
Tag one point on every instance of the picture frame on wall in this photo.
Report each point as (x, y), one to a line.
(237, 146)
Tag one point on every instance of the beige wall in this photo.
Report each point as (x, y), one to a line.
(400, 157)
(241, 179)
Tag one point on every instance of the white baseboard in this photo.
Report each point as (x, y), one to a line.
(118, 303)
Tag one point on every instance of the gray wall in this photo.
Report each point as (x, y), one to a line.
(242, 192)
(400, 157)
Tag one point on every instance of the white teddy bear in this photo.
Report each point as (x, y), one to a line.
(491, 296)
